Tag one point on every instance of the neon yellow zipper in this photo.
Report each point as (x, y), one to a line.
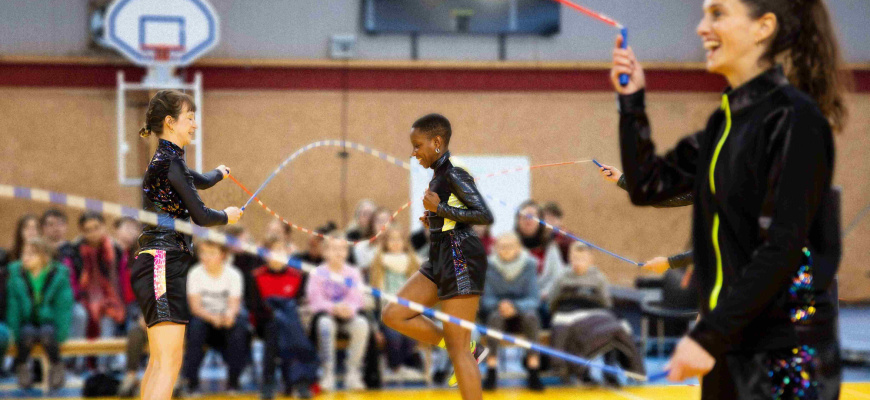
(714, 294)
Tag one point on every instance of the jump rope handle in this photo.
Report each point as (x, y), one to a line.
(596, 161)
(623, 78)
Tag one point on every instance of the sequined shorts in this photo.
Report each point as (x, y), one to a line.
(804, 372)
(457, 263)
(159, 280)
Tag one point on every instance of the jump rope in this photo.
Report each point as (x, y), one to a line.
(396, 161)
(465, 324)
(150, 218)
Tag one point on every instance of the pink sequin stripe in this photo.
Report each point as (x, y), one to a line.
(159, 273)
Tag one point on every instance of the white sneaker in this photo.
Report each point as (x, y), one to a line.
(327, 382)
(353, 381)
(406, 373)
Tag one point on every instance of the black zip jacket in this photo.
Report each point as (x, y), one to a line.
(169, 189)
(461, 204)
(685, 199)
(770, 154)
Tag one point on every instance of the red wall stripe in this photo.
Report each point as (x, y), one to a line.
(292, 78)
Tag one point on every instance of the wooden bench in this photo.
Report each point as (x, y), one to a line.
(75, 348)
(113, 346)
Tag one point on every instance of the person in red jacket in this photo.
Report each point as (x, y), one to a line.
(281, 287)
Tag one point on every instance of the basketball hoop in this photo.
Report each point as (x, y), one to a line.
(162, 71)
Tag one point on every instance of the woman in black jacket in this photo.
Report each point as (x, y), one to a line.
(455, 272)
(759, 173)
(159, 273)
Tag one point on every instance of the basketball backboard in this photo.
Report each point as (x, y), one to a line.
(162, 32)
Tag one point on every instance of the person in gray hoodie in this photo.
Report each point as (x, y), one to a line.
(511, 300)
(582, 286)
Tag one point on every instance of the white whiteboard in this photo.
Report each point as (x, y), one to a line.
(513, 188)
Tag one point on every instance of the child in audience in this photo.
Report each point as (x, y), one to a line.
(336, 307)
(214, 292)
(39, 310)
(394, 262)
(280, 287)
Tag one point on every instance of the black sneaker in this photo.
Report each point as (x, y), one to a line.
(491, 380)
(534, 382)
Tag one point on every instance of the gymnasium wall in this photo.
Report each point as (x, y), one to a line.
(661, 30)
(64, 139)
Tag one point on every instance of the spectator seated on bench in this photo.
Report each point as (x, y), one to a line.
(583, 323)
(336, 308)
(285, 339)
(214, 290)
(39, 310)
(510, 302)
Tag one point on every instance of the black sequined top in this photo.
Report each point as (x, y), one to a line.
(169, 189)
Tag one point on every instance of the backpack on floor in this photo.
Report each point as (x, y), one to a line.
(101, 385)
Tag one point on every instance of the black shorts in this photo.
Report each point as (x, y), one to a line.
(457, 263)
(805, 372)
(159, 280)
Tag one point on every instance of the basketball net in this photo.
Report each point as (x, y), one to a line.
(162, 75)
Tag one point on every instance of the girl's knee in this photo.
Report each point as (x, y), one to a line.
(388, 316)
(325, 325)
(359, 322)
(457, 341)
(166, 358)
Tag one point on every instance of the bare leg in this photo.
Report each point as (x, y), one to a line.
(457, 340)
(144, 386)
(166, 344)
(410, 323)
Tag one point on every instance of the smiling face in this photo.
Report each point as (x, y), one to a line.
(733, 39)
(184, 127)
(424, 148)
